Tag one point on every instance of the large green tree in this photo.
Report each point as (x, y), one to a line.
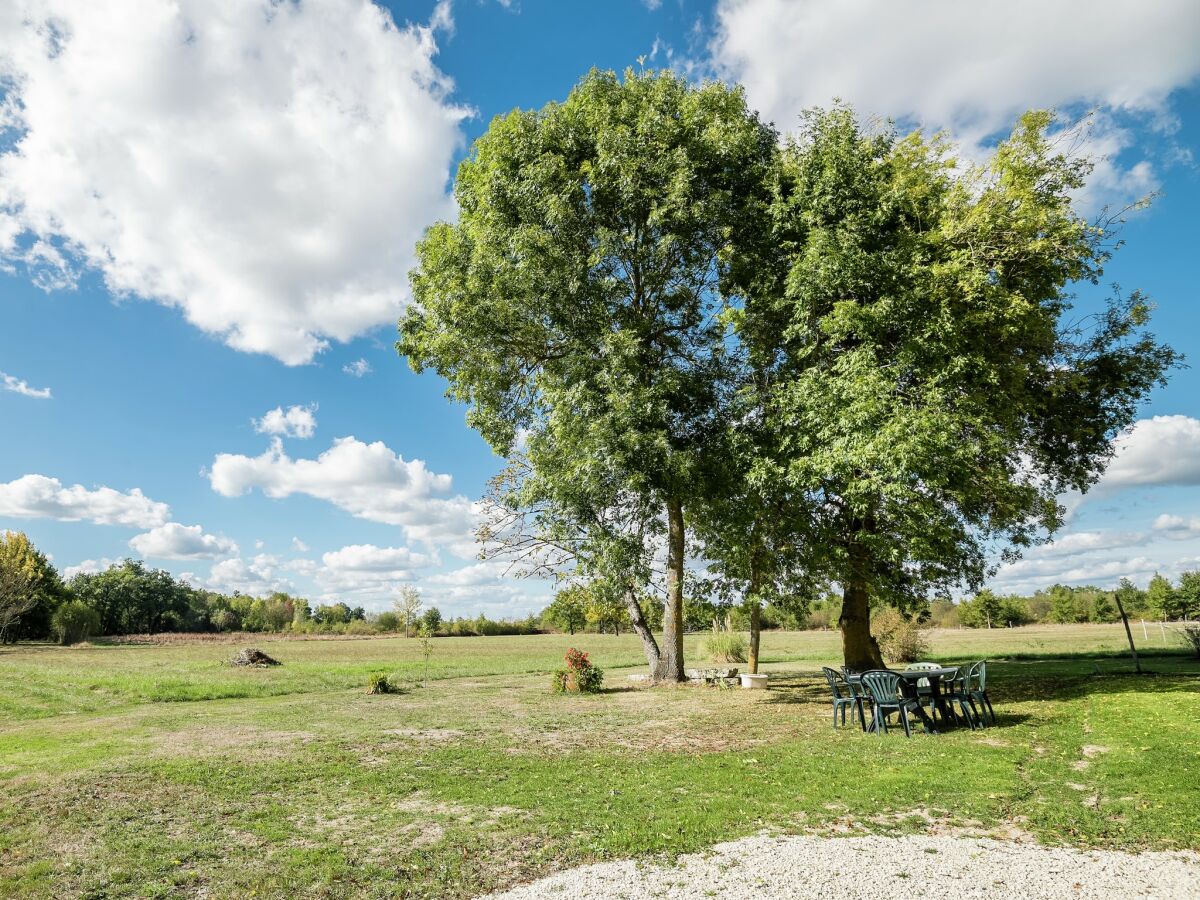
(932, 397)
(577, 301)
(132, 599)
(30, 588)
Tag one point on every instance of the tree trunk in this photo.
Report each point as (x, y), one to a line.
(670, 664)
(638, 620)
(755, 635)
(859, 648)
(1128, 633)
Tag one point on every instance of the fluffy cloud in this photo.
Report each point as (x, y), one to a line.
(88, 567)
(256, 576)
(1031, 574)
(946, 63)
(369, 481)
(369, 570)
(175, 541)
(1164, 450)
(1081, 542)
(20, 386)
(295, 421)
(1177, 528)
(264, 167)
(40, 497)
(358, 368)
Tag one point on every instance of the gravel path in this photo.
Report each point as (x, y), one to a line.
(841, 868)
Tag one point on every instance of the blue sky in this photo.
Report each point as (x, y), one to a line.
(206, 214)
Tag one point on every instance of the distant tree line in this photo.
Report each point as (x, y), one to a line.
(36, 603)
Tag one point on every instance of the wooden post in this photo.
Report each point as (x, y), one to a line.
(1128, 633)
(1145, 633)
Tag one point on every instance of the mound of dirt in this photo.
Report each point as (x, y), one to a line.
(252, 656)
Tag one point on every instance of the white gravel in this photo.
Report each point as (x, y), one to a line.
(840, 868)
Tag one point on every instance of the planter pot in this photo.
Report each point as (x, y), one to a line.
(754, 682)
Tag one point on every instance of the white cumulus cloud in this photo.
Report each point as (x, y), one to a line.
(295, 421)
(175, 541)
(1164, 450)
(358, 368)
(41, 497)
(89, 567)
(368, 570)
(369, 481)
(256, 576)
(966, 67)
(21, 386)
(1177, 528)
(264, 167)
(946, 63)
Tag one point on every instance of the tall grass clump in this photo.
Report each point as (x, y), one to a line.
(725, 645)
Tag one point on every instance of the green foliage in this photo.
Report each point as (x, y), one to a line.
(989, 610)
(30, 589)
(725, 646)
(1190, 633)
(568, 610)
(931, 393)
(378, 683)
(577, 301)
(388, 622)
(1162, 598)
(900, 637)
(74, 622)
(723, 643)
(581, 675)
(431, 620)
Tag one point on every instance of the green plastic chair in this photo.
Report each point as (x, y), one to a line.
(977, 688)
(955, 692)
(845, 694)
(887, 698)
(924, 688)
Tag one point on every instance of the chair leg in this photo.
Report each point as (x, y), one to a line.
(835, 709)
(904, 721)
(862, 718)
(988, 701)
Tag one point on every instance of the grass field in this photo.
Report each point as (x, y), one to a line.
(142, 770)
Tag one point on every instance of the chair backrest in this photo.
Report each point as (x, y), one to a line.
(836, 682)
(978, 673)
(883, 685)
(956, 681)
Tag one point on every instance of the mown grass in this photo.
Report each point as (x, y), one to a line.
(296, 783)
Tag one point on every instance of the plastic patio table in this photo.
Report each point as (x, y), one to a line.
(909, 679)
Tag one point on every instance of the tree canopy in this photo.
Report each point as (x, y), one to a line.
(845, 359)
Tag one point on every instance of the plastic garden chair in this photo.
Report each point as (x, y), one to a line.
(977, 688)
(845, 695)
(924, 688)
(886, 697)
(954, 691)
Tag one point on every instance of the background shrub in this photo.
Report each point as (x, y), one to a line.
(74, 621)
(725, 647)
(579, 677)
(900, 639)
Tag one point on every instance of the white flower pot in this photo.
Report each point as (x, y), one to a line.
(754, 682)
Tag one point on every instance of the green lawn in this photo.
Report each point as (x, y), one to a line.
(293, 782)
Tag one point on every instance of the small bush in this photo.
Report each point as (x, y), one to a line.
(74, 622)
(1190, 632)
(725, 645)
(900, 639)
(579, 677)
(379, 684)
